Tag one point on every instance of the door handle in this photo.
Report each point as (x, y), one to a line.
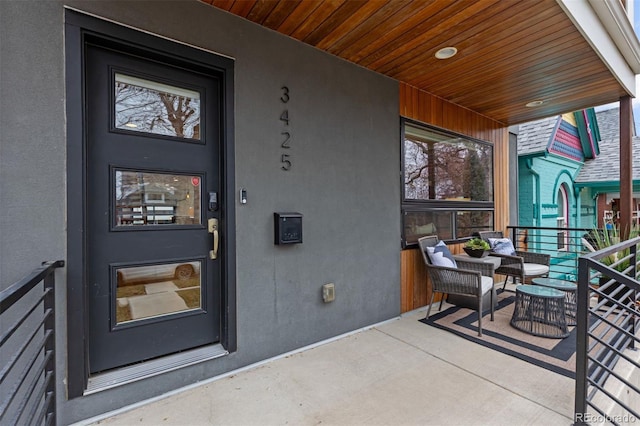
(213, 229)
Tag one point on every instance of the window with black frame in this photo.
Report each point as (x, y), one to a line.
(447, 184)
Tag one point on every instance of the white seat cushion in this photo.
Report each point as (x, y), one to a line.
(487, 284)
(535, 269)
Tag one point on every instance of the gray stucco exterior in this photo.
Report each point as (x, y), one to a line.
(344, 180)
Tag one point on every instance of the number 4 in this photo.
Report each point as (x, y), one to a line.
(285, 116)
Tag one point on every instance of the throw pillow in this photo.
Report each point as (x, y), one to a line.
(441, 248)
(438, 259)
(502, 246)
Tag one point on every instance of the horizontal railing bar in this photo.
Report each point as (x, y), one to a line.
(603, 414)
(622, 335)
(31, 388)
(615, 351)
(30, 397)
(617, 401)
(26, 345)
(606, 328)
(47, 410)
(14, 292)
(37, 412)
(11, 330)
(549, 228)
(39, 391)
(600, 320)
(25, 373)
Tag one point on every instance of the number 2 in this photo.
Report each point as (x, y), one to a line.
(285, 143)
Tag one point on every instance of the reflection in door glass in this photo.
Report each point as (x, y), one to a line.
(154, 290)
(144, 198)
(151, 107)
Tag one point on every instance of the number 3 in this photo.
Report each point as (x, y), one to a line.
(285, 95)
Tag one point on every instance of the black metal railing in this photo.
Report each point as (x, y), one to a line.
(27, 343)
(608, 315)
(564, 245)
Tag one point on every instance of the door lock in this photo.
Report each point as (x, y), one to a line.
(212, 224)
(213, 201)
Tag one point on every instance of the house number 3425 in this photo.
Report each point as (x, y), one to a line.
(285, 157)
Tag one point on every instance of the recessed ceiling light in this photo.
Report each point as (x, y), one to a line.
(533, 104)
(132, 125)
(446, 52)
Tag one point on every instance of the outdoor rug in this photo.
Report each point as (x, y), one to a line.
(557, 355)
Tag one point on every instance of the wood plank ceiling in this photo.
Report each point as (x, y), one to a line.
(509, 52)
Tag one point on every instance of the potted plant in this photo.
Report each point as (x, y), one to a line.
(476, 247)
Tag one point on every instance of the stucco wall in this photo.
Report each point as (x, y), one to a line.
(344, 179)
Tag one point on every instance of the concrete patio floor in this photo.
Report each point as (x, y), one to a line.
(400, 372)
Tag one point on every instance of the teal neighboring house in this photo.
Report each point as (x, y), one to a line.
(551, 154)
(598, 182)
(569, 176)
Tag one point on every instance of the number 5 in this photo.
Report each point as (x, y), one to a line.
(285, 160)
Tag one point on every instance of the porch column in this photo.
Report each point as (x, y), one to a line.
(626, 162)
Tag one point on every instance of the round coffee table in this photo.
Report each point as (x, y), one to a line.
(540, 311)
(569, 288)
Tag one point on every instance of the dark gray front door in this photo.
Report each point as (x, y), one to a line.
(152, 204)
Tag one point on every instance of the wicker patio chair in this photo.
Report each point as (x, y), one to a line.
(469, 278)
(523, 265)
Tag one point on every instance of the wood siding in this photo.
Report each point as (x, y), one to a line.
(426, 108)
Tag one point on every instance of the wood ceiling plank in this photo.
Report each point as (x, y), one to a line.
(509, 52)
(316, 19)
(515, 69)
(280, 13)
(504, 104)
(476, 39)
(564, 67)
(479, 60)
(344, 30)
(517, 98)
(242, 7)
(381, 28)
(220, 4)
(412, 37)
(557, 91)
(341, 15)
(261, 10)
(428, 36)
(518, 116)
(298, 16)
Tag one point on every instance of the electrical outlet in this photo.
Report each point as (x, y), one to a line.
(328, 292)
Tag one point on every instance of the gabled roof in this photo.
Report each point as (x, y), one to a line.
(534, 137)
(574, 137)
(606, 166)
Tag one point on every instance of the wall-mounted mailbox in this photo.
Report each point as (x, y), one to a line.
(288, 228)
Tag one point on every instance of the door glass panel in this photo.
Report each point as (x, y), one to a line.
(155, 290)
(151, 107)
(144, 198)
